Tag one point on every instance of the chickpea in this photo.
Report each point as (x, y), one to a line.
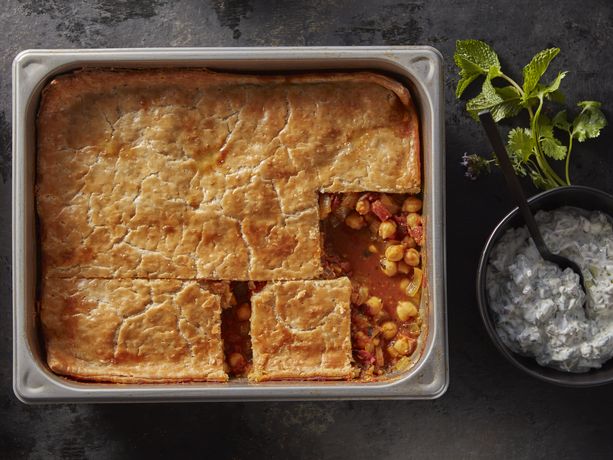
(413, 220)
(402, 346)
(232, 299)
(389, 329)
(394, 252)
(404, 283)
(362, 207)
(389, 267)
(243, 312)
(237, 361)
(409, 242)
(406, 310)
(373, 249)
(355, 221)
(412, 204)
(404, 268)
(374, 305)
(411, 257)
(387, 229)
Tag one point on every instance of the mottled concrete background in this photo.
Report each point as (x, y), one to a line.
(490, 410)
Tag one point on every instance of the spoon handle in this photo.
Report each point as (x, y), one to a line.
(489, 125)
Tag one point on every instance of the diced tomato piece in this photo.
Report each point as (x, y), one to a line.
(418, 234)
(380, 210)
(365, 357)
(370, 196)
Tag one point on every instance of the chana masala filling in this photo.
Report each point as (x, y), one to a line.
(375, 239)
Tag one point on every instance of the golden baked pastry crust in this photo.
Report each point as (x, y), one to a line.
(300, 330)
(150, 181)
(136, 331)
(198, 175)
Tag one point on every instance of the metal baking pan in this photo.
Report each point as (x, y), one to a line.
(419, 67)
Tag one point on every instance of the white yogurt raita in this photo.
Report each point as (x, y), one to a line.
(539, 308)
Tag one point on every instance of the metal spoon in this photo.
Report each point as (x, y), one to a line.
(518, 194)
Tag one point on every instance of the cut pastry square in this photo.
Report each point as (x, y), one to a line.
(135, 331)
(300, 330)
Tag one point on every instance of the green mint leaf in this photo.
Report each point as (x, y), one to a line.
(485, 100)
(550, 91)
(510, 105)
(537, 67)
(560, 121)
(464, 83)
(589, 122)
(544, 90)
(474, 58)
(508, 92)
(520, 144)
(501, 102)
(532, 149)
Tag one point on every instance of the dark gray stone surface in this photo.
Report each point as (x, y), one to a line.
(490, 410)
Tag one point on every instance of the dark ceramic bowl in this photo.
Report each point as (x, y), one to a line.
(580, 197)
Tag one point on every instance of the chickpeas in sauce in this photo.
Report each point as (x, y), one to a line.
(375, 239)
(235, 330)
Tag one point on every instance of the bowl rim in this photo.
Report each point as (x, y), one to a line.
(484, 309)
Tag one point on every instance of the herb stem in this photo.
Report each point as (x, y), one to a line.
(513, 83)
(542, 162)
(540, 157)
(567, 165)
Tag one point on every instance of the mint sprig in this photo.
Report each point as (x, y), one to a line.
(474, 58)
(530, 148)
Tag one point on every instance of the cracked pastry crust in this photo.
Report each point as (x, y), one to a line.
(193, 174)
(134, 331)
(301, 330)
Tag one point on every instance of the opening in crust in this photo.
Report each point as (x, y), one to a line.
(374, 239)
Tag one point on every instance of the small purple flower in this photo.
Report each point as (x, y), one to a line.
(474, 165)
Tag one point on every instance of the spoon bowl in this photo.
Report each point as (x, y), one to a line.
(565, 263)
